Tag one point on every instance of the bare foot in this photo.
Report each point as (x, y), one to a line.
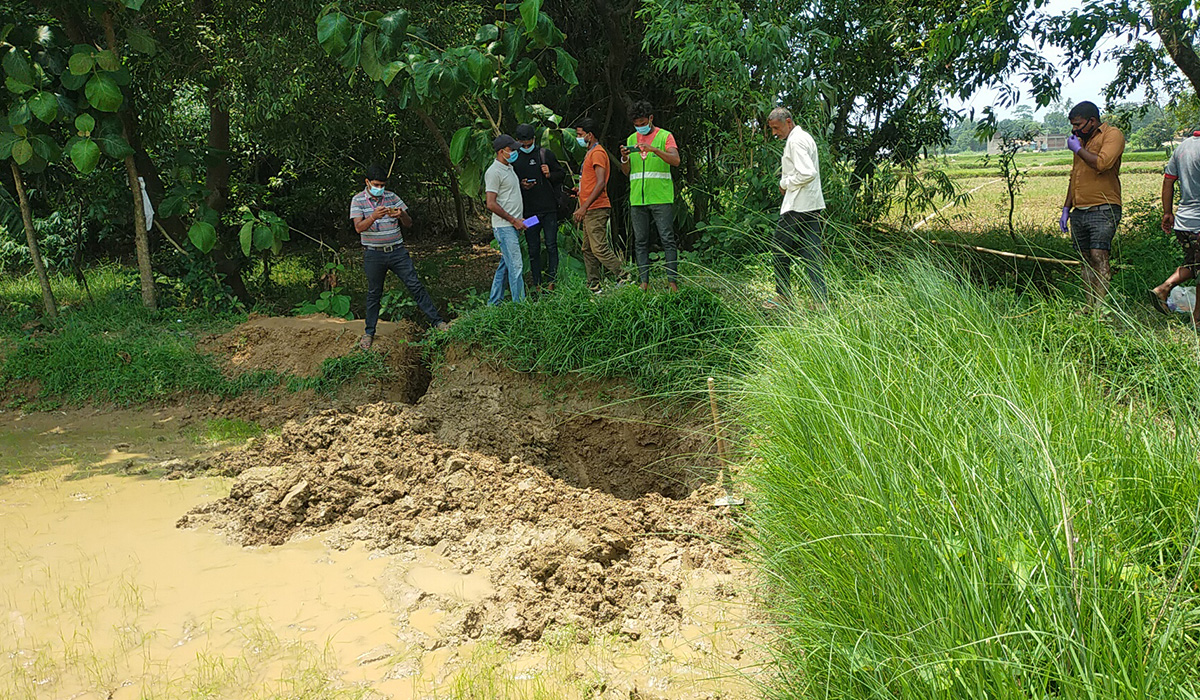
(672, 286)
(645, 286)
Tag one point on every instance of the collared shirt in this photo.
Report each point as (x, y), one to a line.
(800, 174)
(1092, 187)
(588, 181)
(501, 179)
(385, 231)
(1184, 166)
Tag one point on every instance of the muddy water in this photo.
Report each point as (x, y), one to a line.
(102, 597)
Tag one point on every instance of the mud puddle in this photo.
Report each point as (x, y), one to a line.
(103, 597)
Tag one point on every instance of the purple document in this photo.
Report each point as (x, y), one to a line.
(531, 221)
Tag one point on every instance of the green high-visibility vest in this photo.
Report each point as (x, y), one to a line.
(649, 179)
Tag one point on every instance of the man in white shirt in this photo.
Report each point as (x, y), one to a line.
(799, 230)
(1183, 169)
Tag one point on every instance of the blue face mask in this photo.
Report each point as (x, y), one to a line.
(643, 130)
(581, 141)
(527, 149)
(377, 191)
(512, 157)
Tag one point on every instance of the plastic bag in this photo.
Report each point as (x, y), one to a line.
(1182, 300)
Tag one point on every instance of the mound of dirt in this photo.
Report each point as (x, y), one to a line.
(557, 553)
(298, 345)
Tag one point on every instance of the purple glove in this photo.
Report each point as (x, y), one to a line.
(1062, 222)
(1074, 143)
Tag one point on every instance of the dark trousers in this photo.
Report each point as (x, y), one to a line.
(799, 236)
(547, 229)
(664, 219)
(376, 264)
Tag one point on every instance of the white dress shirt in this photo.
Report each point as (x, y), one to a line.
(801, 174)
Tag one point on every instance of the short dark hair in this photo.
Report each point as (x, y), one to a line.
(642, 109)
(1084, 110)
(377, 172)
(588, 125)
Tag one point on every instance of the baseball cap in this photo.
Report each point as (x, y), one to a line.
(504, 141)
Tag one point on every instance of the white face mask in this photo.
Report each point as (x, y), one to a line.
(581, 141)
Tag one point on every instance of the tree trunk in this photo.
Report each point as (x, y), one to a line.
(141, 235)
(1173, 30)
(460, 208)
(34, 252)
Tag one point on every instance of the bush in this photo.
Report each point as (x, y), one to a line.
(944, 509)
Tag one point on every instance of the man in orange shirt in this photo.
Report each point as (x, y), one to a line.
(595, 208)
(1093, 205)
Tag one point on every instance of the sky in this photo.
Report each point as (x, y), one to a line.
(1089, 85)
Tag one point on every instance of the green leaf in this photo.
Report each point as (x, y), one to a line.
(458, 144)
(103, 93)
(487, 34)
(350, 59)
(479, 66)
(7, 141)
(107, 60)
(246, 236)
(172, 205)
(203, 235)
(263, 238)
(44, 106)
(114, 146)
(85, 123)
(141, 41)
(134, 5)
(333, 31)
(370, 58)
(16, 86)
(391, 70)
(19, 114)
(85, 154)
(422, 72)
(393, 32)
(529, 13)
(566, 67)
(81, 64)
(44, 147)
(22, 151)
(73, 82)
(17, 67)
(340, 306)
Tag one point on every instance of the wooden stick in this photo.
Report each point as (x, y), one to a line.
(1007, 254)
(712, 403)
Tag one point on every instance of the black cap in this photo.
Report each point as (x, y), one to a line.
(525, 132)
(504, 141)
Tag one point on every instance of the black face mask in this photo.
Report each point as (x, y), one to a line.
(1080, 133)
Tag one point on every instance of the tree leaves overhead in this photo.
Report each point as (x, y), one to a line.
(333, 33)
(85, 154)
(530, 10)
(203, 235)
(103, 93)
(44, 106)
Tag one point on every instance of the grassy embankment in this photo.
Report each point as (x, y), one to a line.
(113, 351)
(957, 495)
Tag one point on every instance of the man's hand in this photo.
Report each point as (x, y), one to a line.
(545, 170)
(519, 225)
(1074, 143)
(1062, 221)
(781, 190)
(579, 213)
(624, 151)
(526, 185)
(1168, 223)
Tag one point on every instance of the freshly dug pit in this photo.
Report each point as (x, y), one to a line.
(611, 556)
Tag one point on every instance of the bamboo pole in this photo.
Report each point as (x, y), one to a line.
(1005, 253)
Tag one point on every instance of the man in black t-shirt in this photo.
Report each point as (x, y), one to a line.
(541, 179)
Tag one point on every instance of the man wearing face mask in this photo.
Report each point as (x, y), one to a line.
(541, 177)
(377, 215)
(1093, 204)
(504, 201)
(647, 158)
(595, 207)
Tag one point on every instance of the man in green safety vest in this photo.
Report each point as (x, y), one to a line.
(647, 158)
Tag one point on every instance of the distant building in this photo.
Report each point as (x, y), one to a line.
(1042, 142)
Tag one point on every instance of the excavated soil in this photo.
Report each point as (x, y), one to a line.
(298, 345)
(581, 506)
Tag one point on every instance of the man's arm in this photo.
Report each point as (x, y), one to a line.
(601, 186)
(1108, 151)
(556, 174)
(670, 155)
(803, 168)
(1168, 202)
(362, 223)
(402, 215)
(624, 163)
(494, 207)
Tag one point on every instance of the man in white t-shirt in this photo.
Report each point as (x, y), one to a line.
(799, 230)
(1183, 168)
(504, 201)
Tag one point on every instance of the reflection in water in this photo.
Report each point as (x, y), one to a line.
(102, 597)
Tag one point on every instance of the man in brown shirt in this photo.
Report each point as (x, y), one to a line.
(1093, 205)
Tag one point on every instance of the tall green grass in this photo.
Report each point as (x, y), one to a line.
(945, 509)
(662, 341)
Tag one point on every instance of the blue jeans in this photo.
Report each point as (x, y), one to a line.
(547, 228)
(376, 264)
(511, 267)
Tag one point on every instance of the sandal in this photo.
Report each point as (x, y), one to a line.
(365, 341)
(1159, 304)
